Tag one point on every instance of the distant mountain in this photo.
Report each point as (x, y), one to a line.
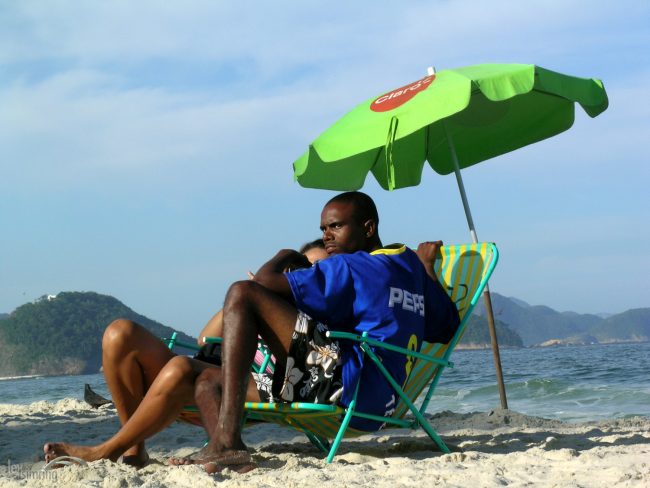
(605, 315)
(477, 334)
(541, 325)
(519, 302)
(632, 325)
(62, 334)
(3, 315)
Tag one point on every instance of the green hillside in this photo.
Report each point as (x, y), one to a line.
(477, 334)
(536, 324)
(63, 335)
(632, 325)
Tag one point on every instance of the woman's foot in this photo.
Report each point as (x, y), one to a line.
(138, 460)
(53, 450)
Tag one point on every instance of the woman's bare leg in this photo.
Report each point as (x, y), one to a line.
(149, 386)
(171, 390)
(132, 357)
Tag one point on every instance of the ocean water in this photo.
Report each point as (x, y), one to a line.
(572, 383)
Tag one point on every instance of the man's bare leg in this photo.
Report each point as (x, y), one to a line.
(250, 309)
(136, 362)
(207, 393)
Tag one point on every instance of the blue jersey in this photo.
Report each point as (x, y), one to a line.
(389, 295)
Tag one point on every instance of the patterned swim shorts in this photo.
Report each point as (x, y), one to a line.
(313, 370)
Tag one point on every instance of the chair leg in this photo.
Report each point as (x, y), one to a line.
(341, 432)
(434, 436)
(414, 410)
(320, 442)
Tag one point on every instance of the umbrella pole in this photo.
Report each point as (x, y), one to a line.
(486, 293)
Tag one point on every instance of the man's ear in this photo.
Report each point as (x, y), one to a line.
(370, 226)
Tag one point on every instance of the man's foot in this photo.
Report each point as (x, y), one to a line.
(194, 458)
(53, 450)
(239, 461)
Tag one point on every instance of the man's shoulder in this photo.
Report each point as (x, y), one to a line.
(397, 252)
(384, 254)
(391, 250)
(385, 257)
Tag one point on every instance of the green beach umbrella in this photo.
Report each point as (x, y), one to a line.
(468, 114)
(452, 119)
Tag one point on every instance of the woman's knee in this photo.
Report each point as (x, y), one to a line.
(178, 370)
(119, 333)
(181, 365)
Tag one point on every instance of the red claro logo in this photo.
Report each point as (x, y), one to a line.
(400, 96)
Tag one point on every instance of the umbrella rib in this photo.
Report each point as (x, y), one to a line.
(374, 163)
(426, 143)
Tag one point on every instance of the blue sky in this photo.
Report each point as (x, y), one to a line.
(146, 149)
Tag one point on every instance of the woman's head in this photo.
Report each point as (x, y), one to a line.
(314, 250)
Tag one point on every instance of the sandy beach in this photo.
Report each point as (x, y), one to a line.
(498, 448)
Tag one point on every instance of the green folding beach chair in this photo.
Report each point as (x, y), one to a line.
(463, 270)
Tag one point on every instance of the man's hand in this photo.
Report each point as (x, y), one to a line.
(427, 252)
(295, 260)
(271, 274)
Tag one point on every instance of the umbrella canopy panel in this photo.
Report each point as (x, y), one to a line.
(484, 110)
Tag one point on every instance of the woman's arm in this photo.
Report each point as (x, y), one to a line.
(214, 327)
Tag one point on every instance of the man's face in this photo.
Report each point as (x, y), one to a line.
(342, 234)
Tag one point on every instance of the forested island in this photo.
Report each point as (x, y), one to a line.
(61, 334)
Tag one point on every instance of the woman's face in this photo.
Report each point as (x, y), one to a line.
(315, 254)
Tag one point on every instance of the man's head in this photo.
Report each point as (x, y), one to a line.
(349, 223)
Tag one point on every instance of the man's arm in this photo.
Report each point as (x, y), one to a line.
(441, 312)
(427, 252)
(271, 274)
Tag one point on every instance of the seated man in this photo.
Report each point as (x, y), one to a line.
(360, 287)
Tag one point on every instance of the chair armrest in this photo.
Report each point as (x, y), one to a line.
(212, 340)
(375, 343)
(172, 342)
